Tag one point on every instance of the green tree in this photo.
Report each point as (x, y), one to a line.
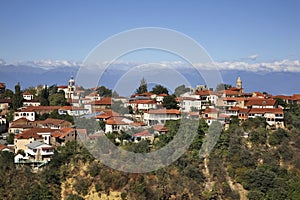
(17, 98)
(170, 102)
(58, 99)
(223, 86)
(8, 94)
(44, 95)
(104, 92)
(181, 90)
(143, 87)
(159, 89)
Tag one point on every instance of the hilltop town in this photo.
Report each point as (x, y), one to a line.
(44, 128)
(36, 126)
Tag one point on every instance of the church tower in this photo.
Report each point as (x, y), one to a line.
(71, 88)
(239, 84)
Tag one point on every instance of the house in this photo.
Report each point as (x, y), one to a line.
(69, 89)
(210, 115)
(27, 96)
(116, 124)
(274, 116)
(62, 136)
(5, 104)
(3, 125)
(160, 129)
(32, 102)
(31, 135)
(54, 123)
(20, 125)
(187, 104)
(40, 110)
(106, 114)
(207, 97)
(226, 103)
(160, 98)
(160, 116)
(2, 87)
(73, 111)
(27, 113)
(144, 135)
(4, 148)
(102, 104)
(39, 151)
(261, 103)
(143, 104)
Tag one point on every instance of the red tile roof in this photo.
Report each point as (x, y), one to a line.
(165, 111)
(144, 133)
(71, 108)
(116, 120)
(160, 128)
(266, 110)
(33, 133)
(53, 121)
(2, 146)
(260, 102)
(103, 101)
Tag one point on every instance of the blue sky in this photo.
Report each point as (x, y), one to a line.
(228, 30)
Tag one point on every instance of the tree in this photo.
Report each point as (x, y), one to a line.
(44, 96)
(104, 92)
(7, 94)
(58, 99)
(181, 90)
(170, 102)
(143, 87)
(31, 90)
(17, 98)
(159, 89)
(223, 86)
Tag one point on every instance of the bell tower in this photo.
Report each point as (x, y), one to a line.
(71, 88)
(239, 84)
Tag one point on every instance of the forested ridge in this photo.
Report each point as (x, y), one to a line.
(248, 162)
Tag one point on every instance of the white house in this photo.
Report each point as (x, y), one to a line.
(116, 124)
(160, 116)
(39, 151)
(73, 111)
(26, 113)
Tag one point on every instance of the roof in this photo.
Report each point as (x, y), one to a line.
(34, 144)
(2, 85)
(103, 101)
(260, 102)
(62, 87)
(144, 133)
(143, 101)
(160, 128)
(211, 110)
(53, 121)
(118, 120)
(71, 108)
(27, 93)
(205, 92)
(266, 110)
(2, 146)
(107, 114)
(165, 111)
(39, 108)
(33, 133)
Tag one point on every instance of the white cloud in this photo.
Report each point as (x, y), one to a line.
(253, 57)
(285, 65)
(2, 62)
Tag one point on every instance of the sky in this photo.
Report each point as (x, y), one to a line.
(260, 30)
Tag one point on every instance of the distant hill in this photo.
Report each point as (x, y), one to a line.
(271, 82)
